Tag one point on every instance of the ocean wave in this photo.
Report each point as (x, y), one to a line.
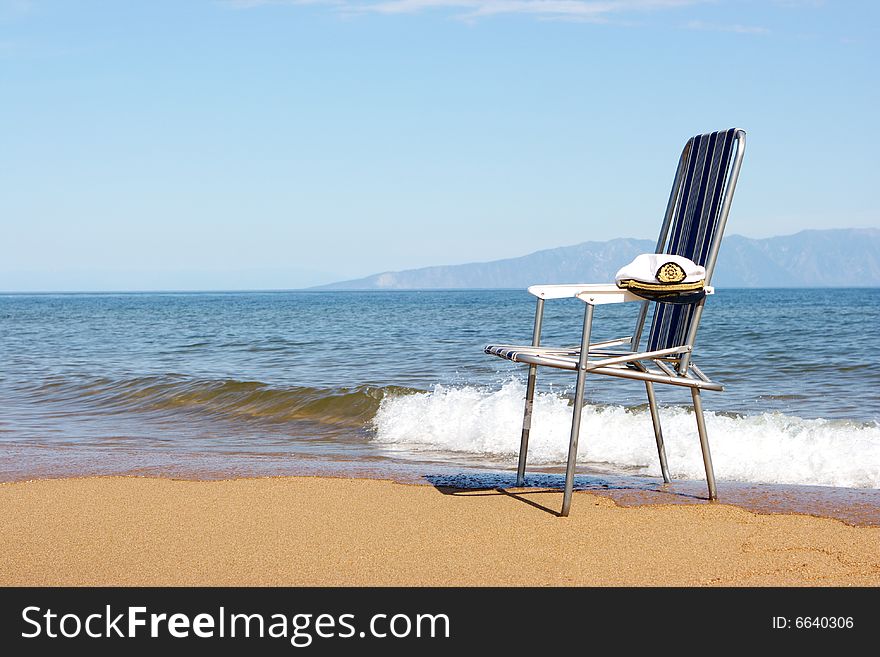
(480, 425)
(766, 448)
(227, 398)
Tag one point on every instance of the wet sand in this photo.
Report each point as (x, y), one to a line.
(324, 531)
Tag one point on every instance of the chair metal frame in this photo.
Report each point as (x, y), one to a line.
(620, 357)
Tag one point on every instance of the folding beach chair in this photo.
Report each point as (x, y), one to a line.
(693, 226)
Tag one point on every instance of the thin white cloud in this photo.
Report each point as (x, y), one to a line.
(248, 4)
(596, 10)
(797, 4)
(727, 27)
(590, 8)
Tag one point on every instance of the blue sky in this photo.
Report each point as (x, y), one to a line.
(273, 144)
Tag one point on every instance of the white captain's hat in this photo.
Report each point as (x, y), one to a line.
(661, 268)
(663, 277)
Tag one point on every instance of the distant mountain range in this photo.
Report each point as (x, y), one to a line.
(847, 257)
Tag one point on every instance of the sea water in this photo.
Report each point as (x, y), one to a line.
(396, 384)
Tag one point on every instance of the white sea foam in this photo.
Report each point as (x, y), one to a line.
(768, 448)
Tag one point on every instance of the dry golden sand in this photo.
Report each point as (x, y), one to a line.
(314, 531)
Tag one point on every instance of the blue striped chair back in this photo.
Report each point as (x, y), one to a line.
(695, 219)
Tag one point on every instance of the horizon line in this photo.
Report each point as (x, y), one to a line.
(316, 290)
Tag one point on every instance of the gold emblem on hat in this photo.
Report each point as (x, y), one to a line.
(670, 272)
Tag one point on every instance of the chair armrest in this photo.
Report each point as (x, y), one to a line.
(558, 291)
(593, 293)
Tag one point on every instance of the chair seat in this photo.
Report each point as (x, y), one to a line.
(511, 352)
(566, 358)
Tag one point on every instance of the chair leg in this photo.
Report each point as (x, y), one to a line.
(576, 414)
(530, 395)
(658, 432)
(704, 444)
(527, 425)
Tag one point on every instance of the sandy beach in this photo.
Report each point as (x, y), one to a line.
(325, 531)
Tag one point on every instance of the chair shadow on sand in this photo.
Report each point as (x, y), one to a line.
(628, 490)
